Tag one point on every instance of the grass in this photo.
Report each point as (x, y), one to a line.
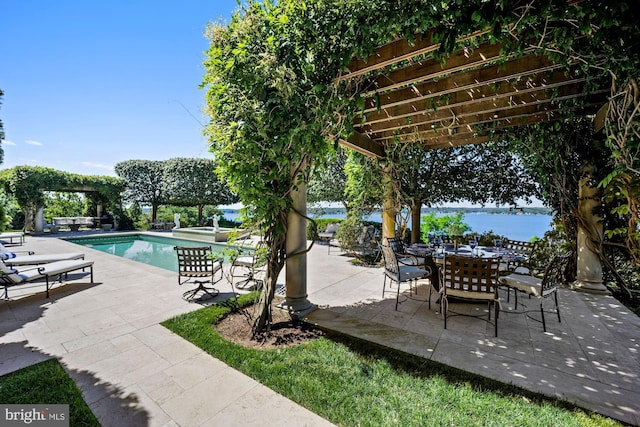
(46, 383)
(355, 383)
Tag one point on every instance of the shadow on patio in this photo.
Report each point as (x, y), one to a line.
(591, 358)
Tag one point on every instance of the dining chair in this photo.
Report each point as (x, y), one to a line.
(539, 288)
(470, 279)
(400, 273)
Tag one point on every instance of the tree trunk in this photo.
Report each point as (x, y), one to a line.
(200, 214)
(275, 262)
(415, 222)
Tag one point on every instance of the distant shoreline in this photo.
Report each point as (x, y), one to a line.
(448, 210)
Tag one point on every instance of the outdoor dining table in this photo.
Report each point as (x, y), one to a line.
(434, 256)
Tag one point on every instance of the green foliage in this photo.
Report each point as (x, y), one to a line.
(193, 182)
(328, 180)
(176, 182)
(143, 179)
(450, 225)
(63, 204)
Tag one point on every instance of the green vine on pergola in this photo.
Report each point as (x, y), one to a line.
(29, 183)
(275, 107)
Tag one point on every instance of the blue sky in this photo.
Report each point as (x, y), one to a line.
(89, 84)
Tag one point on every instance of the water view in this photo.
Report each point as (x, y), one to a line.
(512, 226)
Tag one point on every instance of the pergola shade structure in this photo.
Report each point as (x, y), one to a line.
(412, 96)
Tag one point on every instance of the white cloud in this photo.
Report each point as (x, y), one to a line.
(5, 142)
(98, 166)
(32, 142)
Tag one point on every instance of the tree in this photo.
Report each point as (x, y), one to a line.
(481, 174)
(144, 182)
(268, 107)
(63, 204)
(193, 182)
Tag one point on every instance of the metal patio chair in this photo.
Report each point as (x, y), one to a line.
(472, 279)
(199, 266)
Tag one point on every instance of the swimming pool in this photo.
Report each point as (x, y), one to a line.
(152, 250)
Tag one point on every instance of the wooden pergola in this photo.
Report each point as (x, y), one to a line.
(412, 97)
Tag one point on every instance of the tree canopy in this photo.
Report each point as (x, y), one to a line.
(178, 181)
(193, 182)
(144, 182)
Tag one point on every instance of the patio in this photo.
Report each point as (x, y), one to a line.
(135, 372)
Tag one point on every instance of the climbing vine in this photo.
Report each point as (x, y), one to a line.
(28, 184)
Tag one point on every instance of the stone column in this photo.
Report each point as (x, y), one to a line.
(590, 233)
(388, 206)
(39, 221)
(296, 301)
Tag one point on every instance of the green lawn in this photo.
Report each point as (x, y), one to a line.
(46, 383)
(354, 383)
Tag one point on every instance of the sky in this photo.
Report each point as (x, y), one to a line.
(89, 84)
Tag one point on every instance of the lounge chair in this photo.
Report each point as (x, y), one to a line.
(31, 259)
(12, 277)
(10, 236)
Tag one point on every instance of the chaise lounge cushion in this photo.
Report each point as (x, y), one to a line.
(43, 258)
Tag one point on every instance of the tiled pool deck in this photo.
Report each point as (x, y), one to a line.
(133, 371)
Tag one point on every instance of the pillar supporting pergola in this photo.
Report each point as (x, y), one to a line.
(590, 234)
(296, 301)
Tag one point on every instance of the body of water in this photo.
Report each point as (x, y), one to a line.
(515, 227)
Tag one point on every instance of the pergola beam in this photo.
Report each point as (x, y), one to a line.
(397, 51)
(363, 144)
(484, 104)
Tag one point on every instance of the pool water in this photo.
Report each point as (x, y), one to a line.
(151, 250)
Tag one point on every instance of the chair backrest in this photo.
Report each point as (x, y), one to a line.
(391, 267)
(469, 274)
(519, 247)
(332, 227)
(554, 273)
(196, 262)
(396, 244)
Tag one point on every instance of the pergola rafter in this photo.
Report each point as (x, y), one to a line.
(412, 97)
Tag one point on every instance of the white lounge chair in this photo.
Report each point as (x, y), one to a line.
(42, 258)
(12, 277)
(12, 235)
